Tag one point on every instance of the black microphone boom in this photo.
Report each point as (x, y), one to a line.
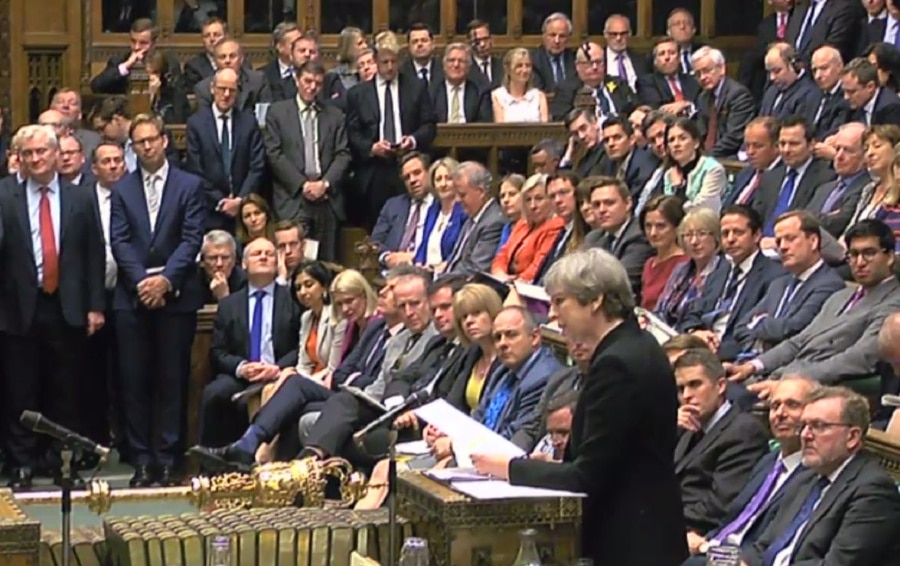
(388, 417)
(36, 422)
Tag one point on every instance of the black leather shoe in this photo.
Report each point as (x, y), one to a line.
(20, 478)
(227, 459)
(142, 477)
(168, 477)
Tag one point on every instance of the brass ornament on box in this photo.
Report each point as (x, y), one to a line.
(278, 484)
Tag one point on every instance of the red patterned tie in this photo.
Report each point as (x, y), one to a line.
(677, 93)
(781, 31)
(712, 124)
(48, 245)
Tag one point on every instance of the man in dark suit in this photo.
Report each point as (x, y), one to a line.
(480, 236)
(377, 136)
(252, 86)
(619, 233)
(220, 276)
(584, 135)
(735, 286)
(875, 26)
(826, 107)
(848, 510)
(245, 349)
(772, 28)
(309, 169)
(613, 96)
(835, 201)
(725, 106)
(399, 229)
(421, 62)
(552, 62)
(636, 494)
(51, 297)
(666, 84)
(622, 61)
(824, 22)
(225, 149)
(793, 300)
(654, 127)
(681, 27)
(792, 186)
(869, 103)
(67, 101)
(457, 99)
(485, 69)
(761, 143)
(790, 86)
(561, 192)
(71, 163)
(773, 480)
(203, 65)
(624, 160)
(280, 70)
(304, 49)
(156, 229)
(718, 444)
(114, 78)
(113, 121)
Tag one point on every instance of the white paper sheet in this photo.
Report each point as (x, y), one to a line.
(467, 435)
(497, 489)
(455, 474)
(414, 448)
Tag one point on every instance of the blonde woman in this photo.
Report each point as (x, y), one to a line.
(516, 100)
(445, 216)
(353, 302)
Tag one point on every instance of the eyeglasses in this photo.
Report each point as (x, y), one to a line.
(147, 141)
(593, 63)
(867, 254)
(817, 427)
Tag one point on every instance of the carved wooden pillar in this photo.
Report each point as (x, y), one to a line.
(139, 90)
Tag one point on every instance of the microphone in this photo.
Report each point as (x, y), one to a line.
(389, 416)
(36, 422)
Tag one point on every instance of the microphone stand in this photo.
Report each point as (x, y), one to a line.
(66, 502)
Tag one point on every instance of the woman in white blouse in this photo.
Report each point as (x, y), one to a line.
(517, 101)
(444, 218)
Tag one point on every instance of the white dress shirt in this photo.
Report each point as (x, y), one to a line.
(285, 71)
(743, 269)
(154, 185)
(869, 108)
(816, 6)
(395, 98)
(217, 114)
(266, 347)
(33, 193)
(433, 254)
(104, 196)
(612, 67)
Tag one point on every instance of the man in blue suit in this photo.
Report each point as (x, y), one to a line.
(400, 227)
(736, 285)
(156, 230)
(225, 148)
(773, 478)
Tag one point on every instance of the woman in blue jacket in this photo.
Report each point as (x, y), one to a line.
(444, 219)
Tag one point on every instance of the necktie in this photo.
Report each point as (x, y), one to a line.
(759, 498)
(806, 28)
(896, 27)
(256, 326)
(712, 124)
(855, 298)
(407, 242)
(734, 280)
(686, 61)
(49, 258)
(623, 72)
(377, 347)
(784, 201)
(310, 143)
(225, 143)
(787, 297)
(677, 93)
(747, 194)
(486, 69)
(153, 198)
(825, 98)
(648, 190)
(390, 132)
(498, 400)
(460, 245)
(559, 74)
(423, 74)
(781, 29)
(602, 101)
(832, 199)
(800, 519)
(454, 106)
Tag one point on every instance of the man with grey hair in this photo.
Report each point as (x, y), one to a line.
(52, 261)
(67, 101)
(725, 106)
(546, 155)
(220, 274)
(848, 509)
(252, 86)
(480, 235)
(624, 427)
(826, 108)
(303, 50)
(835, 202)
(612, 95)
(718, 445)
(623, 62)
(553, 62)
(456, 98)
(281, 67)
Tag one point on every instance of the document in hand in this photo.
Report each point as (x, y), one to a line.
(467, 435)
(654, 325)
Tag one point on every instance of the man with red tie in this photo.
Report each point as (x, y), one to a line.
(51, 298)
(667, 87)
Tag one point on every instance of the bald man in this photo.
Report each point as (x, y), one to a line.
(835, 202)
(56, 120)
(789, 87)
(889, 366)
(612, 95)
(826, 107)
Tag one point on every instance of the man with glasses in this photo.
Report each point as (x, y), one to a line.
(848, 509)
(156, 229)
(486, 69)
(612, 95)
(842, 340)
(624, 62)
(725, 106)
(71, 163)
(221, 276)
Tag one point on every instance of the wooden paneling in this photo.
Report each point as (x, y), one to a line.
(47, 17)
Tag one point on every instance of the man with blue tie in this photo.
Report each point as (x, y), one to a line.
(848, 509)
(52, 298)
(553, 61)
(254, 338)
(824, 22)
(156, 230)
(225, 148)
(773, 479)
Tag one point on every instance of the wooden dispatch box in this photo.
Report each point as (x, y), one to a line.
(20, 537)
(463, 531)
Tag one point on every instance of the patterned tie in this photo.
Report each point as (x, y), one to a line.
(225, 144)
(800, 519)
(407, 242)
(781, 29)
(256, 326)
(602, 101)
(559, 75)
(310, 144)
(832, 199)
(390, 131)
(788, 296)
(855, 298)
(759, 498)
(747, 194)
(784, 201)
(623, 72)
(677, 93)
(49, 257)
(686, 61)
(455, 115)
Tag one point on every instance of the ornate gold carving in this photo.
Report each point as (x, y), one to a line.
(886, 449)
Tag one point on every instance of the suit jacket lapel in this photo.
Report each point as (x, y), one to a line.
(166, 198)
(66, 209)
(751, 279)
(243, 318)
(24, 217)
(681, 450)
(213, 130)
(710, 437)
(835, 490)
